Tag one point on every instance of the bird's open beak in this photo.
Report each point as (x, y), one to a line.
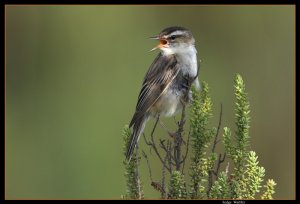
(154, 37)
(162, 42)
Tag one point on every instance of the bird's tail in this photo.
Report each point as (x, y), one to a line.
(138, 129)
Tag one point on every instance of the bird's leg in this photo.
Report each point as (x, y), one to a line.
(166, 129)
(155, 125)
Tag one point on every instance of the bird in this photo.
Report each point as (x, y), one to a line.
(166, 85)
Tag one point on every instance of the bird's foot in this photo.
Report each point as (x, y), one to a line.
(172, 134)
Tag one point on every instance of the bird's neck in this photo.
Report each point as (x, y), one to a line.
(180, 51)
(186, 55)
(187, 58)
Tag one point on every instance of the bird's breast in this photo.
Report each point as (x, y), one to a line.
(168, 104)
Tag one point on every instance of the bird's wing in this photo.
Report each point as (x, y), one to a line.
(158, 78)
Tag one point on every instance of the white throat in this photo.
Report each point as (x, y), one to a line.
(186, 56)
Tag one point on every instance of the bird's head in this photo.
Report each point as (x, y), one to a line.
(174, 40)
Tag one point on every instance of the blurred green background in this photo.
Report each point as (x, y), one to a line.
(73, 74)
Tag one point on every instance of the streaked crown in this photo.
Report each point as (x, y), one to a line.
(177, 34)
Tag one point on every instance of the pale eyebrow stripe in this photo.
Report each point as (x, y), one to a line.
(178, 32)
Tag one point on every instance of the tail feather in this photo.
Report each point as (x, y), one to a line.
(138, 129)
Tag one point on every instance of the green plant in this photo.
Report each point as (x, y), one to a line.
(206, 181)
(177, 186)
(133, 181)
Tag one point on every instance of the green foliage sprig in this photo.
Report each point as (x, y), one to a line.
(201, 135)
(133, 181)
(177, 186)
(247, 177)
(269, 189)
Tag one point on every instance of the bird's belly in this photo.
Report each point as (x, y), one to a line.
(168, 104)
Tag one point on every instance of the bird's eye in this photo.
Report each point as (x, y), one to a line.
(172, 37)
